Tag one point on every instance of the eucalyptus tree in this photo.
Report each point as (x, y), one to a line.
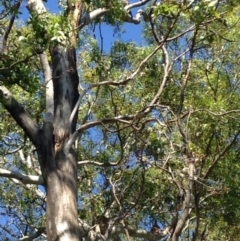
(126, 144)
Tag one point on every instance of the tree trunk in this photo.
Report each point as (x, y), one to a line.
(61, 182)
(58, 160)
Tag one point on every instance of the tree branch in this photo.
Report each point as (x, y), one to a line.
(19, 114)
(89, 234)
(138, 233)
(221, 154)
(9, 231)
(5, 36)
(186, 204)
(89, 17)
(38, 233)
(122, 119)
(47, 72)
(136, 4)
(36, 5)
(97, 13)
(100, 164)
(26, 179)
(115, 83)
(3, 55)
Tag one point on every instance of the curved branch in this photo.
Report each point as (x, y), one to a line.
(89, 17)
(116, 83)
(136, 4)
(3, 55)
(26, 179)
(77, 133)
(97, 13)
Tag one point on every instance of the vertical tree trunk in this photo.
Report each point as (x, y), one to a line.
(62, 219)
(58, 161)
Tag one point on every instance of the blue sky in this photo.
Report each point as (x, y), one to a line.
(131, 33)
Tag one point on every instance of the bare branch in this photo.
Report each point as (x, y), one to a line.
(100, 164)
(97, 13)
(89, 17)
(136, 4)
(167, 69)
(75, 109)
(17, 149)
(123, 82)
(221, 154)
(185, 77)
(122, 119)
(26, 179)
(7, 230)
(38, 6)
(186, 204)
(48, 82)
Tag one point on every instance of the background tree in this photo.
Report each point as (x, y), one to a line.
(136, 143)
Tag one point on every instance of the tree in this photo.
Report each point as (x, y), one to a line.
(137, 143)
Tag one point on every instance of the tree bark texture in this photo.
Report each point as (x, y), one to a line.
(59, 164)
(60, 170)
(57, 158)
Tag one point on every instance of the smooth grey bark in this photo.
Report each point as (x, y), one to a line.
(48, 83)
(28, 179)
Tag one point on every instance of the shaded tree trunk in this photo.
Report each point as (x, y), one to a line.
(58, 160)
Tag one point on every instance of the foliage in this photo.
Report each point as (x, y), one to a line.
(180, 108)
